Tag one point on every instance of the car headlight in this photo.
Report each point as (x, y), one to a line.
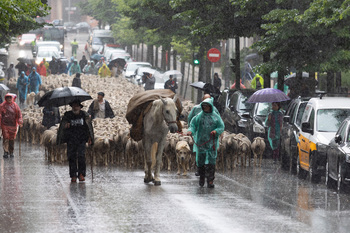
(37, 62)
(258, 128)
(242, 123)
(21, 42)
(61, 46)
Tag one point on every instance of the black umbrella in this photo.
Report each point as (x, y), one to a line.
(120, 61)
(45, 99)
(26, 60)
(65, 95)
(291, 80)
(198, 85)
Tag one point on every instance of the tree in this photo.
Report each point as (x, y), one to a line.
(102, 10)
(18, 17)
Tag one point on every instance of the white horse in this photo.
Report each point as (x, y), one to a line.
(157, 122)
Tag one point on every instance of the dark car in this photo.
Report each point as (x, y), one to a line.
(235, 110)
(83, 27)
(290, 133)
(338, 157)
(70, 27)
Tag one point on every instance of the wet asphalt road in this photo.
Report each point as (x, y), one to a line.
(37, 196)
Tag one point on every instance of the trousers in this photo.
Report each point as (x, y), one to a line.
(76, 158)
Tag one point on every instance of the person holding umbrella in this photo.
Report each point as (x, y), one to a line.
(76, 130)
(22, 84)
(10, 118)
(171, 84)
(274, 122)
(149, 80)
(34, 81)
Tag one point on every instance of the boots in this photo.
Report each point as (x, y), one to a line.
(210, 174)
(201, 172)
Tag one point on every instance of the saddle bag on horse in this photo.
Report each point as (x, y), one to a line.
(140, 104)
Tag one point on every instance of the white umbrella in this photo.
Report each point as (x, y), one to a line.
(172, 72)
(147, 70)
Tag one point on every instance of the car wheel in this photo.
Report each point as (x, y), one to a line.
(328, 178)
(340, 185)
(300, 172)
(314, 177)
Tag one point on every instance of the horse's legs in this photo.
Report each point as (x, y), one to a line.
(158, 162)
(148, 162)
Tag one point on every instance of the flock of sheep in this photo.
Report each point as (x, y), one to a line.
(112, 145)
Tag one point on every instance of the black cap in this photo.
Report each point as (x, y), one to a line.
(101, 94)
(76, 102)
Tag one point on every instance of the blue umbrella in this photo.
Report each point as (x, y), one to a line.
(268, 95)
(96, 57)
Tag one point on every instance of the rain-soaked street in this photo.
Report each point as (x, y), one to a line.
(37, 196)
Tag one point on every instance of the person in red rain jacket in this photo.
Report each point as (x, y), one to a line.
(10, 119)
(41, 69)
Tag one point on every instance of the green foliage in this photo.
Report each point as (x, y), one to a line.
(18, 17)
(102, 10)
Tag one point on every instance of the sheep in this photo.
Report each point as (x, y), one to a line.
(258, 148)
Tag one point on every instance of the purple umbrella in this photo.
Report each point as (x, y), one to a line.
(268, 95)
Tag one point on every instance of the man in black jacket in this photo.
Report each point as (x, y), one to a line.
(100, 108)
(76, 130)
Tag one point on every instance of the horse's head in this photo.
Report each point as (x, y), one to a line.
(170, 113)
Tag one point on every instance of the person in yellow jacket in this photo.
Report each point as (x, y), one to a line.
(257, 82)
(75, 46)
(104, 71)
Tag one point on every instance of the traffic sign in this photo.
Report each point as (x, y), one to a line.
(214, 55)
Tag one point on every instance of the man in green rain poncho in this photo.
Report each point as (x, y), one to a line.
(206, 128)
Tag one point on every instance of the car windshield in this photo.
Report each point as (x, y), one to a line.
(263, 109)
(133, 67)
(28, 37)
(329, 120)
(244, 106)
(102, 40)
(48, 53)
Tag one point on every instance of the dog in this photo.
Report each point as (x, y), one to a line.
(30, 99)
(258, 148)
(183, 156)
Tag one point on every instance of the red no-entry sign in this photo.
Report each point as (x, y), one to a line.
(213, 55)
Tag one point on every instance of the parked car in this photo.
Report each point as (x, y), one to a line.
(47, 53)
(320, 121)
(70, 27)
(129, 69)
(83, 27)
(235, 110)
(26, 39)
(55, 44)
(338, 157)
(290, 133)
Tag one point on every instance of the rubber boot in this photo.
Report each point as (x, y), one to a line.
(201, 172)
(210, 172)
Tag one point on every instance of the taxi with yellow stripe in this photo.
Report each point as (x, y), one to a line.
(320, 121)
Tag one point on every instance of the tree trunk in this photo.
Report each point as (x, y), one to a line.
(201, 72)
(174, 60)
(227, 71)
(330, 82)
(156, 59)
(338, 82)
(183, 66)
(280, 80)
(142, 45)
(267, 78)
(238, 62)
(150, 54)
(163, 61)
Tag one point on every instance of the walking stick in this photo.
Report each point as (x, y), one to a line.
(19, 146)
(91, 164)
